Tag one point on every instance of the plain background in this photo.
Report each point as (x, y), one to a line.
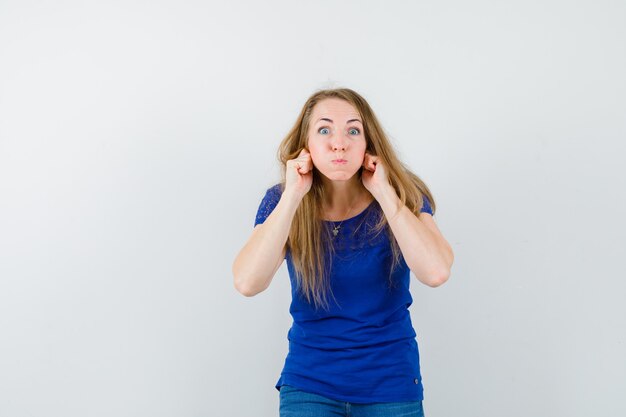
(137, 139)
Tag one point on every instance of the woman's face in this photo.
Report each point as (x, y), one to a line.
(336, 140)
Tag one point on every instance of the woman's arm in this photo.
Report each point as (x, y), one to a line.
(426, 252)
(264, 252)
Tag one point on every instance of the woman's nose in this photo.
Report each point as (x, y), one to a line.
(339, 142)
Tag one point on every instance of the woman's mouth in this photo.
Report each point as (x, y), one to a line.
(339, 161)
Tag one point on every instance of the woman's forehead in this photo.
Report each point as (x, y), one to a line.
(337, 108)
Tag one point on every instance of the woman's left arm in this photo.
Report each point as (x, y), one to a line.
(425, 250)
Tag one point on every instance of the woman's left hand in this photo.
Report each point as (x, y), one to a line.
(374, 176)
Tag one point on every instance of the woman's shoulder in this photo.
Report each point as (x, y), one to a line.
(273, 192)
(276, 189)
(268, 202)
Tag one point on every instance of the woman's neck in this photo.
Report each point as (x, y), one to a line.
(341, 196)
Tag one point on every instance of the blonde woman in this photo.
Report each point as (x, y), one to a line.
(352, 222)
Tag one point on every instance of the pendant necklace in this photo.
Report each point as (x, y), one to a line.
(336, 228)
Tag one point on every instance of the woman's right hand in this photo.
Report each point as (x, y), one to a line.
(299, 174)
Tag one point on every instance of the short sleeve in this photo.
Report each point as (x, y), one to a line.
(270, 200)
(426, 208)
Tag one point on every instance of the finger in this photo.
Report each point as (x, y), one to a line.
(304, 167)
(303, 161)
(294, 165)
(307, 162)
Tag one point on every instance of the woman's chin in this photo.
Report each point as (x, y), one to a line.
(339, 175)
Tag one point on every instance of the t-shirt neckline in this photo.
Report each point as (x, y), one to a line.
(353, 217)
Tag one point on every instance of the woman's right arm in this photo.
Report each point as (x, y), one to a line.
(264, 252)
(259, 259)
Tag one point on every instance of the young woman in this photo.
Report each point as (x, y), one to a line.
(352, 222)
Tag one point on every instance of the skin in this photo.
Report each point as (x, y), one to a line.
(426, 252)
(342, 136)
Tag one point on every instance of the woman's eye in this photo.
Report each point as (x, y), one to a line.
(325, 130)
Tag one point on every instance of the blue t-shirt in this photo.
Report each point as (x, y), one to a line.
(363, 348)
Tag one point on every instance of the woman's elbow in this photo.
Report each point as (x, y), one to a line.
(245, 291)
(439, 279)
(240, 284)
(442, 276)
(246, 288)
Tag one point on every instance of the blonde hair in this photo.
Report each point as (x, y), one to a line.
(308, 238)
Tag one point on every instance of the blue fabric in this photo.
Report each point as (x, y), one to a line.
(363, 349)
(296, 403)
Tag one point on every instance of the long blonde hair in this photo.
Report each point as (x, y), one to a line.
(308, 237)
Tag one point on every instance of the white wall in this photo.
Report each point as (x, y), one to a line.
(138, 138)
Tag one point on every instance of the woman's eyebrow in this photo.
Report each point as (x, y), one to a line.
(328, 120)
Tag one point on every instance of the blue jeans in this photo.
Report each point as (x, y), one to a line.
(297, 403)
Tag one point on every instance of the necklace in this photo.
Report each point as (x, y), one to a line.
(336, 228)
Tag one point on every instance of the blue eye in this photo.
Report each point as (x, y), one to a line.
(357, 130)
(322, 128)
